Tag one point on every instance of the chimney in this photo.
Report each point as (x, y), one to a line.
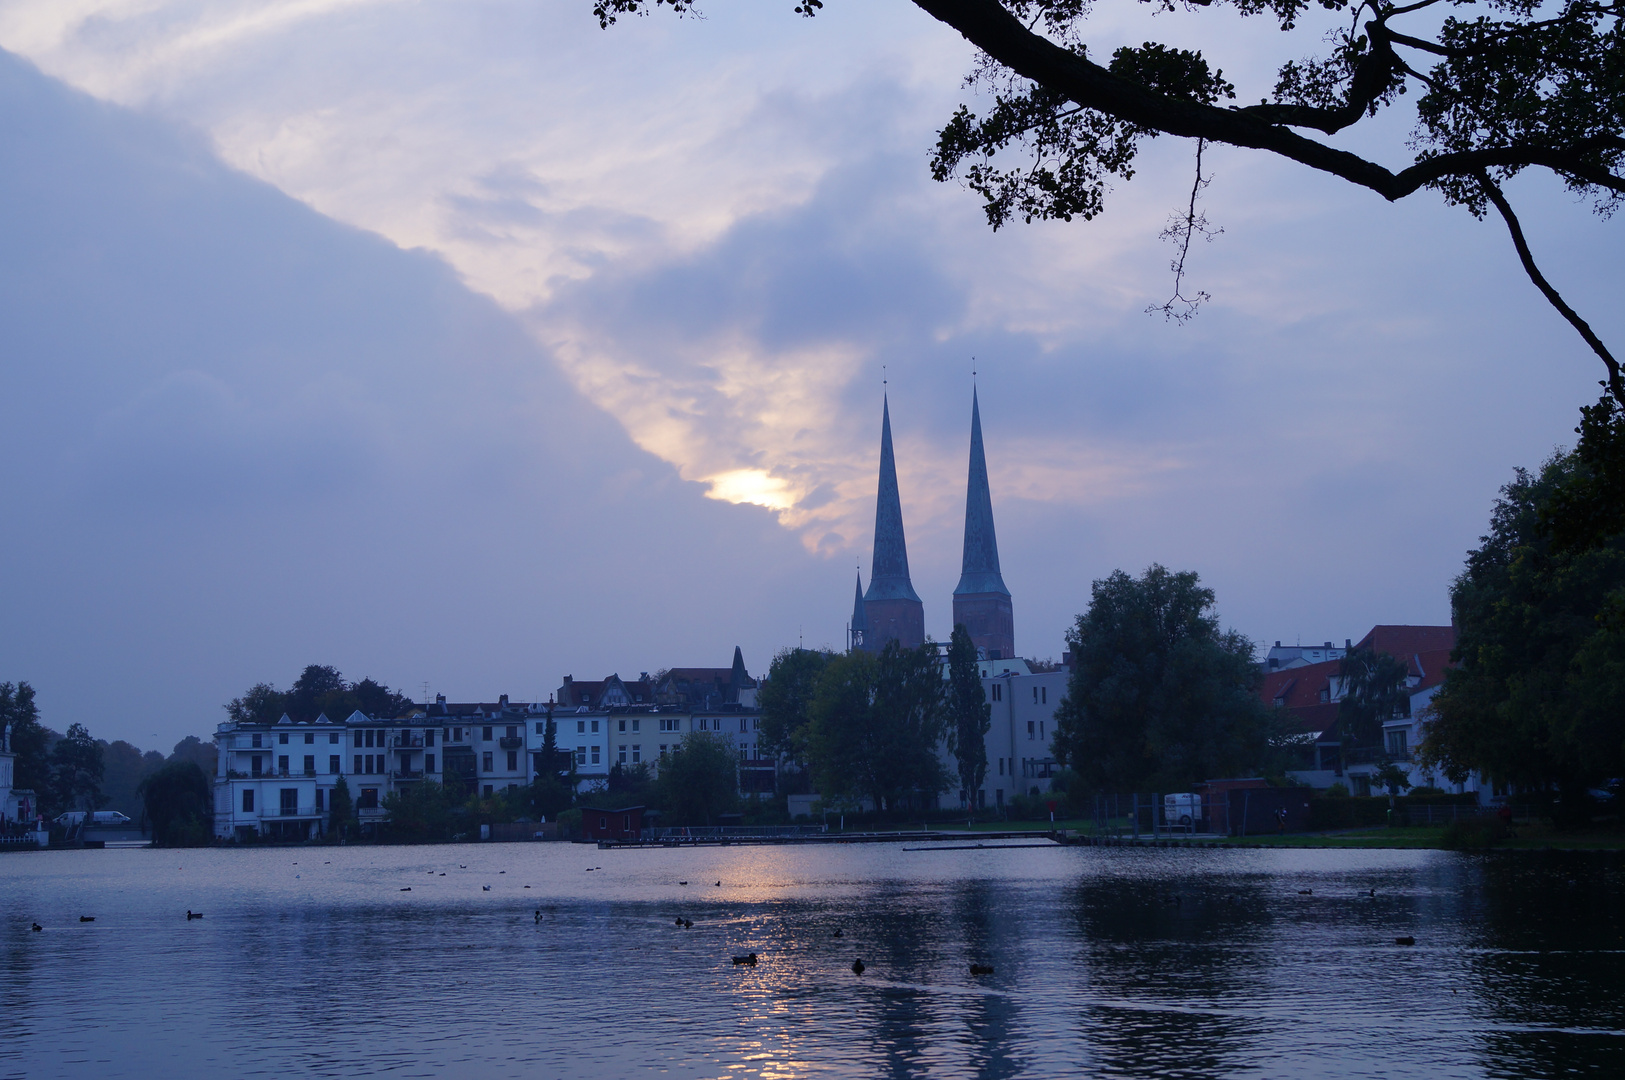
(1348, 643)
(1277, 644)
(503, 701)
(440, 699)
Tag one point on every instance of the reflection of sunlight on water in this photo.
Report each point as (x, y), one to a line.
(1136, 963)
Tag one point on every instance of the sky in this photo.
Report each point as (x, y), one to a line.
(465, 345)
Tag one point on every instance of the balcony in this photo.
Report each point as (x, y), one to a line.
(511, 742)
(406, 774)
(407, 742)
(292, 812)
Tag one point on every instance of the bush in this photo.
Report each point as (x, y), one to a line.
(569, 823)
(1338, 790)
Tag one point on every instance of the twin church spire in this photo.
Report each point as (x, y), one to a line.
(891, 609)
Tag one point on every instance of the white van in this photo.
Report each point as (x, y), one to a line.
(100, 817)
(1184, 810)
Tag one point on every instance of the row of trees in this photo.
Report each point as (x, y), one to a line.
(320, 689)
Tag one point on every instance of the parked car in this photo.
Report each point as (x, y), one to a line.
(1184, 809)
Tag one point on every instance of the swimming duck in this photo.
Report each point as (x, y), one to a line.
(485, 888)
(1306, 892)
(38, 928)
(838, 931)
(687, 923)
(407, 889)
(719, 884)
(748, 960)
(857, 966)
(87, 918)
(190, 914)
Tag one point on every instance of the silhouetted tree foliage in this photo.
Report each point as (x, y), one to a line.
(1540, 630)
(320, 689)
(1501, 86)
(698, 780)
(420, 811)
(970, 714)
(877, 721)
(340, 808)
(200, 753)
(30, 740)
(1160, 698)
(178, 805)
(125, 767)
(77, 770)
(785, 698)
(1374, 691)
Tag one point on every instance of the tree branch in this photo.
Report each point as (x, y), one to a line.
(988, 25)
(1616, 382)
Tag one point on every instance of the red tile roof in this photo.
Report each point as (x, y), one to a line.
(1405, 641)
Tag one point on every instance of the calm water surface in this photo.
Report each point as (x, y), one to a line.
(1133, 963)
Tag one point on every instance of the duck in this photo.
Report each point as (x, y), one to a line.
(527, 886)
(1306, 892)
(1406, 940)
(748, 960)
(688, 923)
(981, 969)
(190, 914)
(679, 920)
(87, 918)
(719, 884)
(857, 966)
(838, 931)
(485, 888)
(1371, 892)
(538, 917)
(462, 866)
(442, 875)
(38, 928)
(682, 883)
(407, 889)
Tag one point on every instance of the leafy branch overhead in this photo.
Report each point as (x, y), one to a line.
(1501, 86)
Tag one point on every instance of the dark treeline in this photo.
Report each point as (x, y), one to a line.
(320, 689)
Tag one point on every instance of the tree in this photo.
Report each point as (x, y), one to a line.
(417, 812)
(1509, 85)
(319, 689)
(31, 741)
(193, 749)
(77, 770)
(340, 808)
(262, 704)
(971, 716)
(125, 768)
(178, 805)
(1374, 691)
(1159, 697)
(877, 721)
(698, 780)
(1540, 634)
(784, 698)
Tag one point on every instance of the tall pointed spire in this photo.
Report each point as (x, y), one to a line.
(858, 629)
(981, 601)
(891, 606)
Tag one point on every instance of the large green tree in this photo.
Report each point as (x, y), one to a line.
(1500, 87)
(785, 699)
(178, 804)
(1159, 697)
(77, 770)
(970, 714)
(125, 768)
(877, 721)
(319, 689)
(1540, 618)
(698, 780)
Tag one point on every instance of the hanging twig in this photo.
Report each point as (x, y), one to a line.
(1180, 229)
(1616, 383)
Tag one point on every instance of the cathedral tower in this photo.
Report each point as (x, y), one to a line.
(891, 607)
(981, 601)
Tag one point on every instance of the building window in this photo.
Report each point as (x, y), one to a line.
(997, 692)
(486, 734)
(581, 755)
(581, 727)
(282, 764)
(310, 737)
(428, 763)
(756, 723)
(333, 738)
(256, 742)
(1396, 743)
(1001, 766)
(369, 799)
(282, 739)
(513, 760)
(512, 730)
(310, 764)
(623, 725)
(637, 753)
(254, 764)
(663, 749)
(319, 806)
(1044, 695)
(428, 736)
(595, 727)
(595, 755)
(457, 734)
(621, 754)
(539, 729)
(358, 764)
(1031, 730)
(485, 761)
(248, 800)
(333, 763)
(744, 725)
(290, 801)
(635, 723)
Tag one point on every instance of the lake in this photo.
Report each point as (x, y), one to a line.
(1107, 962)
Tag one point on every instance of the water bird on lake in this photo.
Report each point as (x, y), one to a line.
(679, 920)
(87, 918)
(527, 886)
(407, 889)
(1407, 940)
(748, 960)
(1306, 892)
(485, 888)
(190, 914)
(538, 917)
(687, 923)
(682, 883)
(857, 966)
(1371, 892)
(38, 928)
(838, 931)
(981, 969)
(719, 884)
(462, 866)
